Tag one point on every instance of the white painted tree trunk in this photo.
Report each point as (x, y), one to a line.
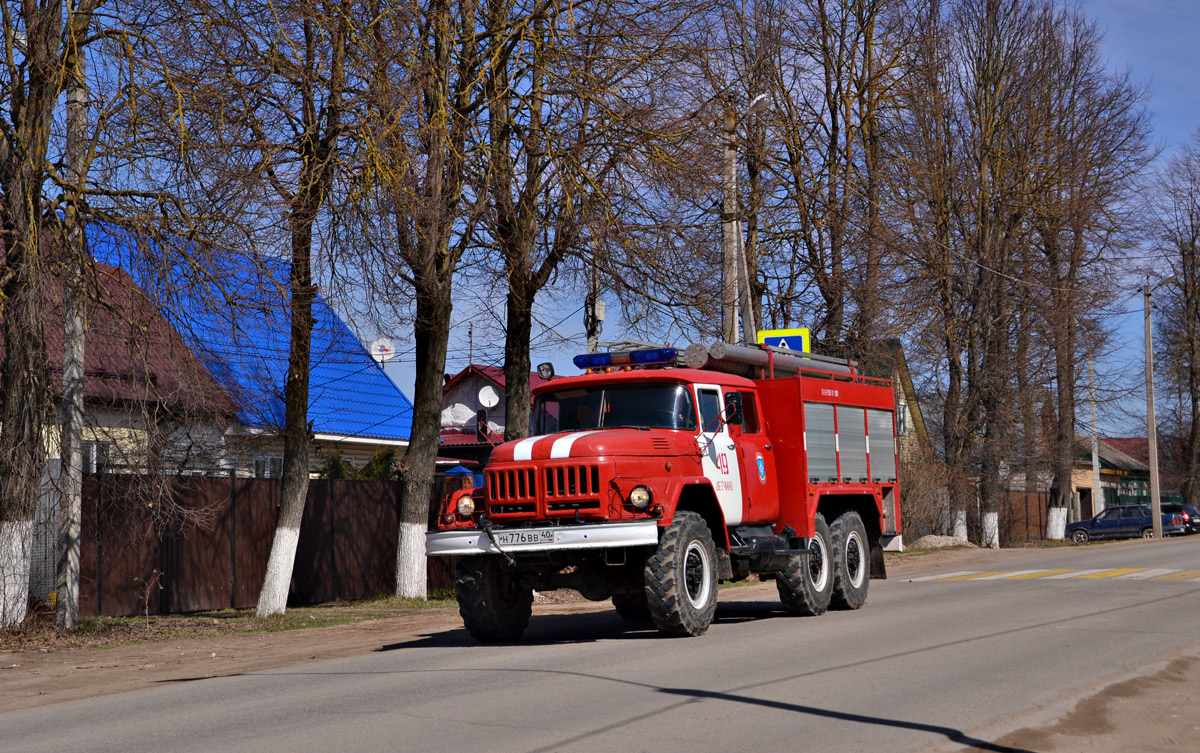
(991, 530)
(272, 599)
(960, 525)
(410, 562)
(15, 538)
(1056, 523)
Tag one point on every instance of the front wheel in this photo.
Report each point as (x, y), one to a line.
(681, 577)
(494, 605)
(806, 586)
(851, 561)
(1080, 536)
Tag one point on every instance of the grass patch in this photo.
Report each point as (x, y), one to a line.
(38, 632)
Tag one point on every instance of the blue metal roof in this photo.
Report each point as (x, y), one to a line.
(232, 312)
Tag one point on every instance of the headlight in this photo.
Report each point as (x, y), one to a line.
(640, 497)
(466, 505)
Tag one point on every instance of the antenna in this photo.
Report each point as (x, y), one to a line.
(382, 350)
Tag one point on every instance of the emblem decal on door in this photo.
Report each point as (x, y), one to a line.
(762, 468)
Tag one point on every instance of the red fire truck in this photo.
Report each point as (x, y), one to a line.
(659, 473)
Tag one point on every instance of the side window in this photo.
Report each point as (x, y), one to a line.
(750, 424)
(1108, 515)
(1132, 512)
(710, 410)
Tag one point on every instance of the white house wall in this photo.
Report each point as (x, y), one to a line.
(461, 403)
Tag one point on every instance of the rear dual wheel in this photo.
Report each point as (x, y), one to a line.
(851, 561)
(806, 586)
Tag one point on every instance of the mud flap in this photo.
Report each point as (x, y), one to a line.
(878, 569)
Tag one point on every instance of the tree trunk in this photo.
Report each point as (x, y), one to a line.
(431, 335)
(25, 410)
(517, 394)
(296, 434)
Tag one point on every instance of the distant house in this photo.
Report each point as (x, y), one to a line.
(473, 392)
(149, 403)
(234, 318)
(1124, 475)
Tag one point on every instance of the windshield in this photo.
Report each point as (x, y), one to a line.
(657, 406)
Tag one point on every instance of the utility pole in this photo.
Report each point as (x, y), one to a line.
(730, 234)
(1151, 425)
(74, 328)
(1097, 492)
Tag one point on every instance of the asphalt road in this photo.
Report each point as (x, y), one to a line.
(927, 664)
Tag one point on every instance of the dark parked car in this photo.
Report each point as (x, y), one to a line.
(1191, 516)
(1123, 522)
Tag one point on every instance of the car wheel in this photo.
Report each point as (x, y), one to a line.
(806, 586)
(681, 577)
(851, 561)
(1080, 536)
(1147, 533)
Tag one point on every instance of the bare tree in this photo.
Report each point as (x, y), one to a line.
(269, 100)
(413, 197)
(1177, 234)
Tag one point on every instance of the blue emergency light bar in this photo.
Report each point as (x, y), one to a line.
(647, 357)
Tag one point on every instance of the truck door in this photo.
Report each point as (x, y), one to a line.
(754, 456)
(719, 452)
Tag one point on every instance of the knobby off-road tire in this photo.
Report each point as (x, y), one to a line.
(681, 577)
(806, 586)
(632, 607)
(493, 604)
(851, 561)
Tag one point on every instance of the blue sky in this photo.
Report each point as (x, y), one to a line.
(1155, 40)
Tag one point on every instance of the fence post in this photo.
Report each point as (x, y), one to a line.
(333, 543)
(233, 579)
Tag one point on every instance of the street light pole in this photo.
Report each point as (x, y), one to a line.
(1151, 425)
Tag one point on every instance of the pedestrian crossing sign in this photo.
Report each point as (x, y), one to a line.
(790, 339)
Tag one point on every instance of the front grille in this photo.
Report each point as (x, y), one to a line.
(512, 491)
(555, 490)
(572, 481)
(585, 504)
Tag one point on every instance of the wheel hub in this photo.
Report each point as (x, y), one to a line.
(696, 580)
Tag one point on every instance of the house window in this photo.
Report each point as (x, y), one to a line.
(97, 457)
(268, 466)
(902, 420)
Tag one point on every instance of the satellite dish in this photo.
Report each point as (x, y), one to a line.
(382, 350)
(488, 397)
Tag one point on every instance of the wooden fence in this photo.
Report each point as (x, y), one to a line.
(134, 562)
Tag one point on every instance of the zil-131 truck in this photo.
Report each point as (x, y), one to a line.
(659, 473)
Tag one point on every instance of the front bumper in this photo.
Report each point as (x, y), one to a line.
(601, 536)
